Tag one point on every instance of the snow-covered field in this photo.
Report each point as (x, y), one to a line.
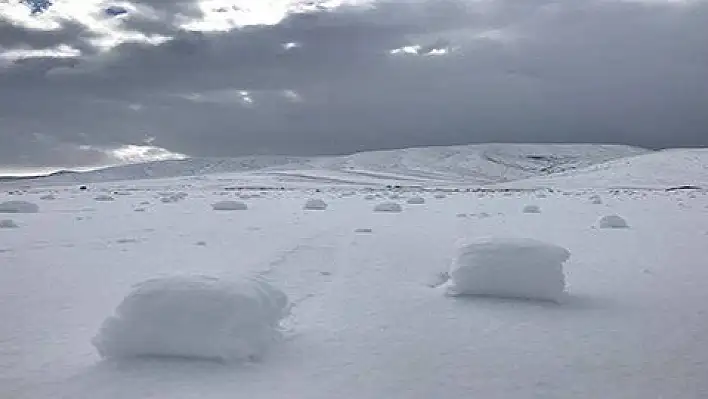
(370, 313)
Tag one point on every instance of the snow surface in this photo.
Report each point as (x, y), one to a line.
(509, 268)
(368, 319)
(198, 317)
(18, 207)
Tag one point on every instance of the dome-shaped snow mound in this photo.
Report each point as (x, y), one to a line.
(315, 204)
(509, 268)
(18, 207)
(230, 206)
(416, 200)
(612, 222)
(8, 224)
(532, 209)
(195, 317)
(388, 207)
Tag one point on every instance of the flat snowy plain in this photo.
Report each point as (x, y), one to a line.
(369, 319)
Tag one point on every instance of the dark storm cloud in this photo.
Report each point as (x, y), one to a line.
(575, 71)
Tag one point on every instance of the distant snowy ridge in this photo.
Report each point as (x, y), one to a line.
(466, 164)
(661, 169)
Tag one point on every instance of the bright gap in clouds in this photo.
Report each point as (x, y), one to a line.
(132, 153)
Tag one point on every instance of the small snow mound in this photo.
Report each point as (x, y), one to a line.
(612, 222)
(18, 207)
(532, 209)
(8, 224)
(440, 196)
(388, 207)
(370, 197)
(509, 268)
(363, 230)
(315, 204)
(48, 197)
(229, 206)
(172, 198)
(416, 200)
(103, 198)
(596, 199)
(394, 196)
(195, 317)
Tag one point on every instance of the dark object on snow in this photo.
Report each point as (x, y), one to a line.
(83, 188)
(686, 187)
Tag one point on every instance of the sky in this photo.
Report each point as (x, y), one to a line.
(93, 82)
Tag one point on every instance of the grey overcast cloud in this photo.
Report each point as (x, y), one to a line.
(91, 82)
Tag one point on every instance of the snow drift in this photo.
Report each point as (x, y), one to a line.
(509, 268)
(196, 317)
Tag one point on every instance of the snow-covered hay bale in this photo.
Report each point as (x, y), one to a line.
(509, 268)
(18, 207)
(195, 317)
(612, 222)
(416, 200)
(391, 207)
(532, 209)
(315, 204)
(172, 198)
(8, 224)
(103, 198)
(229, 206)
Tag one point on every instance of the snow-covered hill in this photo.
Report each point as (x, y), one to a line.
(662, 169)
(468, 164)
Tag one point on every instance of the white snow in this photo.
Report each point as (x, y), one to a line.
(368, 319)
(532, 209)
(316, 204)
(416, 200)
(229, 206)
(388, 207)
(197, 317)
(18, 207)
(509, 268)
(612, 222)
(8, 224)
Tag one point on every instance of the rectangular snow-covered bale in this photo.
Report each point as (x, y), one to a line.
(509, 268)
